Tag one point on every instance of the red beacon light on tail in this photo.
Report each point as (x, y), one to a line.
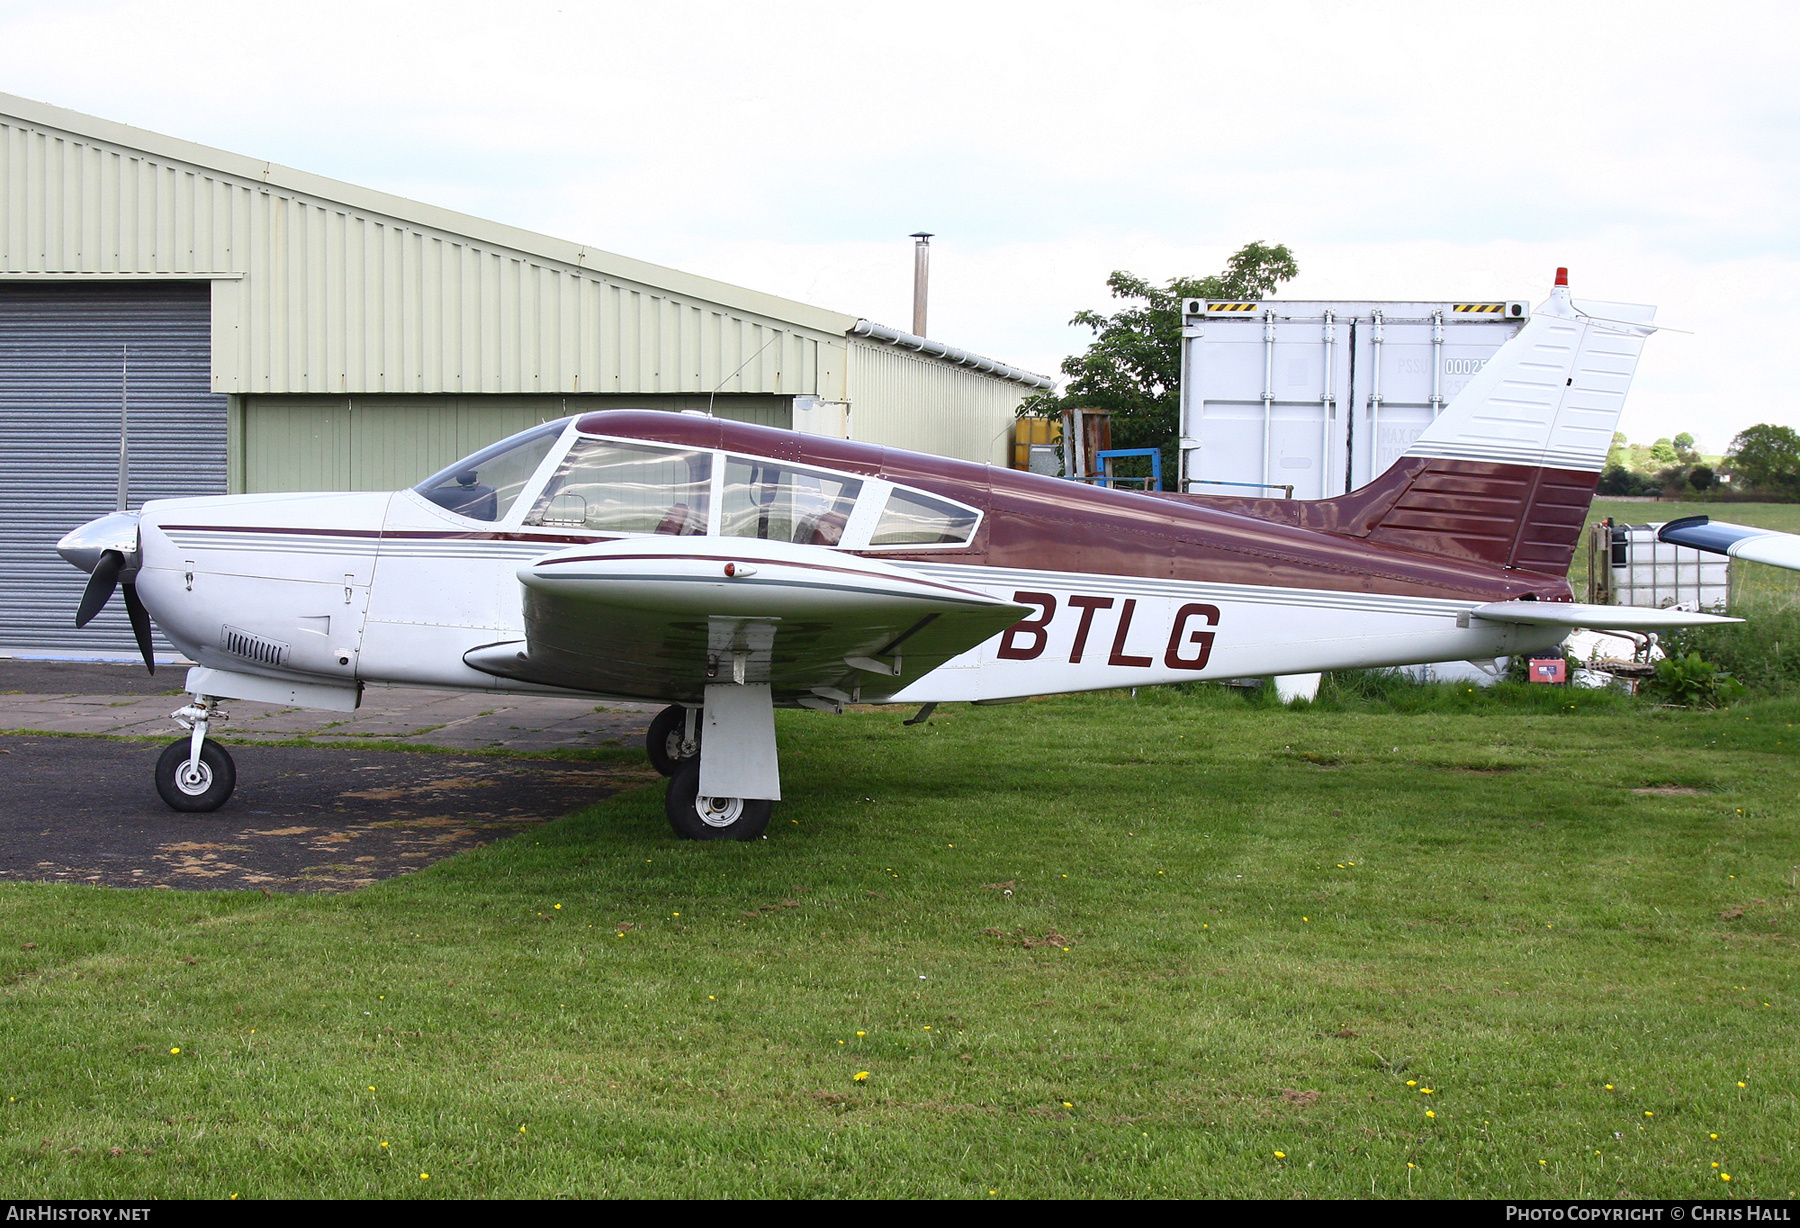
(1562, 277)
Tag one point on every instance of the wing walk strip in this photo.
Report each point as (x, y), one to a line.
(1013, 579)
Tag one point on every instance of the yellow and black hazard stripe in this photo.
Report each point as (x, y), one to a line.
(1232, 306)
(1481, 308)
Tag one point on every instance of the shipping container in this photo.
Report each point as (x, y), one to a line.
(1313, 399)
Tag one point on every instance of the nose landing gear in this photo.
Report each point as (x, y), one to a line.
(196, 774)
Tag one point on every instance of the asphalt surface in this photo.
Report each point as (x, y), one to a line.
(86, 810)
(303, 818)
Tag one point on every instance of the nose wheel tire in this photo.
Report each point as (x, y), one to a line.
(697, 817)
(667, 732)
(203, 788)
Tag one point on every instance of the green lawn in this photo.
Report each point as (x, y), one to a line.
(1247, 951)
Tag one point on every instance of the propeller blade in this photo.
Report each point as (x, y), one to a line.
(140, 624)
(100, 587)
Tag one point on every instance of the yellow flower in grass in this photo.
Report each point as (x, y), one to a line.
(1281, 1155)
(1429, 1113)
(862, 1076)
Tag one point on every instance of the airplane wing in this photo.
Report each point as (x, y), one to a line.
(1734, 540)
(663, 618)
(1594, 617)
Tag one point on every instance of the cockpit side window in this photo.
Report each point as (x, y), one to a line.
(778, 503)
(914, 519)
(485, 486)
(610, 487)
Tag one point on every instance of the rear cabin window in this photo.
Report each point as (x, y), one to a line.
(485, 485)
(913, 519)
(627, 488)
(776, 503)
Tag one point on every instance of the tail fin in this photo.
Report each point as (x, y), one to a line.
(1506, 473)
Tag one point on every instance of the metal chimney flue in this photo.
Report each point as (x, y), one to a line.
(921, 279)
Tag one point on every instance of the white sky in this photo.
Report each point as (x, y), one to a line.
(1406, 151)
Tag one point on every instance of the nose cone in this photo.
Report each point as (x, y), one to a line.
(114, 531)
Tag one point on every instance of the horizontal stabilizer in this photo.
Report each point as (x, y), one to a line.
(1594, 617)
(1734, 540)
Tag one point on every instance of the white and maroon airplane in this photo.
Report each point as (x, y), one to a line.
(728, 570)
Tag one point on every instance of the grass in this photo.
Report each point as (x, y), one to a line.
(1233, 931)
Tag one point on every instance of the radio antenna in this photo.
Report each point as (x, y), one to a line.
(124, 426)
(773, 338)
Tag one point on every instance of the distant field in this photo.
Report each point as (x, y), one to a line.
(1533, 945)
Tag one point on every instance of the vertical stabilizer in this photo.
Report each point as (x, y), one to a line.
(1551, 397)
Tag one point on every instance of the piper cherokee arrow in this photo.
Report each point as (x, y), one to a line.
(727, 570)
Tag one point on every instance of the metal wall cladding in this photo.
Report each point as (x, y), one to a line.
(904, 400)
(324, 287)
(389, 443)
(61, 352)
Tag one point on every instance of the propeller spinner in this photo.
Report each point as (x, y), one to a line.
(107, 549)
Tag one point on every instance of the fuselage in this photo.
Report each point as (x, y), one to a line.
(1125, 589)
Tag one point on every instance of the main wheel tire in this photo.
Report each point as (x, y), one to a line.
(205, 789)
(711, 818)
(667, 732)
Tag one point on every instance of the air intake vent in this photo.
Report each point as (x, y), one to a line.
(252, 647)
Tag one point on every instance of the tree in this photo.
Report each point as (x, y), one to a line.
(1684, 440)
(1133, 365)
(1700, 477)
(1663, 452)
(1767, 455)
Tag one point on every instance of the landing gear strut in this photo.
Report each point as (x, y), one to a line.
(674, 738)
(196, 774)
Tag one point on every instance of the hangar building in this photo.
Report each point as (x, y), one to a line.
(269, 329)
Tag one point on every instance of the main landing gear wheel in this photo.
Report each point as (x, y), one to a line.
(203, 788)
(695, 817)
(667, 734)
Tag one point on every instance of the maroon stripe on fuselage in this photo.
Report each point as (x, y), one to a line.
(1428, 528)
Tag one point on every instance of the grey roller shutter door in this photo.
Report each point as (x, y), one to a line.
(61, 348)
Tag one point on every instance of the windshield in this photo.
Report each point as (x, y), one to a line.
(485, 486)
